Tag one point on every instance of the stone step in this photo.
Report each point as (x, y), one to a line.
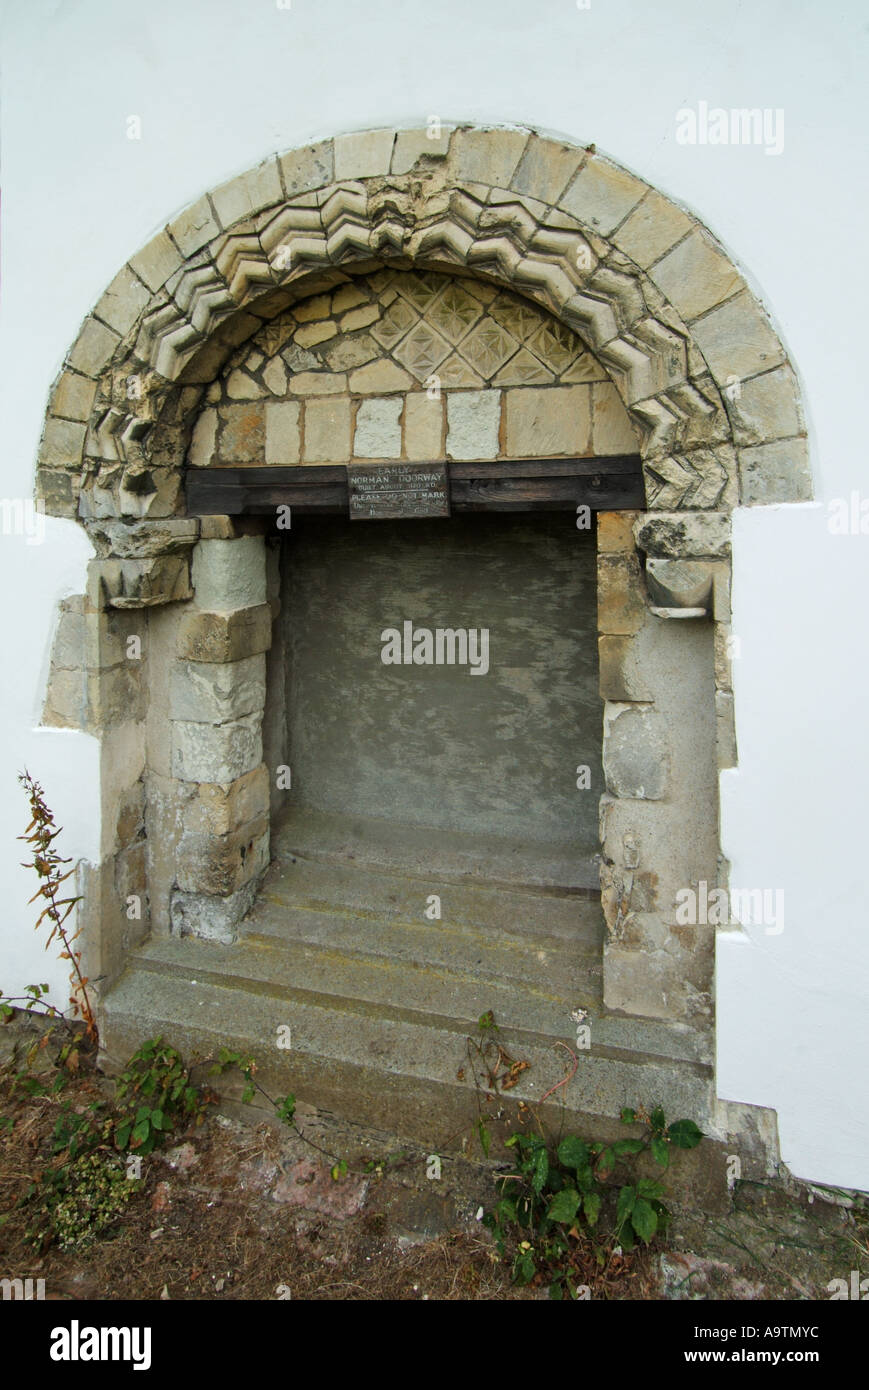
(570, 971)
(519, 936)
(461, 991)
(374, 1062)
(485, 911)
(378, 916)
(438, 855)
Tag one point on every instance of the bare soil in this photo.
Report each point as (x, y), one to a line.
(240, 1207)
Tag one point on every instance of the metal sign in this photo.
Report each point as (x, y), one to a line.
(396, 490)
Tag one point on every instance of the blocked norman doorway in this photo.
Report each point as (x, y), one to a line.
(468, 747)
(167, 381)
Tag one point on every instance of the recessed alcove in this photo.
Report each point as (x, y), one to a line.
(474, 738)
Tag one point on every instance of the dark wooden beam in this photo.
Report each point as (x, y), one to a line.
(547, 468)
(511, 485)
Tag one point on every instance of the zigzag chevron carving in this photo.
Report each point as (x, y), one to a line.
(254, 270)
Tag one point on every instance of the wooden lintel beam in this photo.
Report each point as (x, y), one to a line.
(603, 484)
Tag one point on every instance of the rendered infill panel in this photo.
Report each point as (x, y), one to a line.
(492, 754)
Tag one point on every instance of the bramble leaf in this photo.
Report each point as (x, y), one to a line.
(572, 1152)
(684, 1134)
(591, 1207)
(564, 1205)
(660, 1151)
(644, 1220)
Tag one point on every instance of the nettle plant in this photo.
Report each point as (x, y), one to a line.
(552, 1203)
(154, 1095)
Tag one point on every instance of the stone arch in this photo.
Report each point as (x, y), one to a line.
(642, 282)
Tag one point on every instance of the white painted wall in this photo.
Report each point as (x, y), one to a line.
(219, 84)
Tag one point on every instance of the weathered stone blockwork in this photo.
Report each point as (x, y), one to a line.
(659, 815)
(410, 366)
(217, 695)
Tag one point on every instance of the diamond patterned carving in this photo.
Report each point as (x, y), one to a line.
(517, 317)
(419, 288)
(456, 372)
(523, 370)
(487, 347)
(399, 317)
(381, 280)
(422, 351)
(454, 312)
(585, 368)
(276, 333)
(555, 343)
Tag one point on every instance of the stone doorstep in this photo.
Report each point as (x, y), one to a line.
(379, 910)
(368, 977)
(396, 1068)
